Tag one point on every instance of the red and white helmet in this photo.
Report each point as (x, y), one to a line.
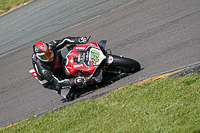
(42, 51)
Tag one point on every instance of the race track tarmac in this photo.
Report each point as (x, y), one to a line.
(160, 34)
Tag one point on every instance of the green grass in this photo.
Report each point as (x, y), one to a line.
(6, 5)
(165, 105)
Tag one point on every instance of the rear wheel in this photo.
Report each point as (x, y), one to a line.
(123, 64)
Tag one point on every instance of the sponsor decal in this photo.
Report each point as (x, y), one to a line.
(80, 48)
(78, 65)
(94, 56)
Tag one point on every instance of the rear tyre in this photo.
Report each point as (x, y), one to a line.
(123, 64)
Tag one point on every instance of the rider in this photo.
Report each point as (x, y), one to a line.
(47, 62)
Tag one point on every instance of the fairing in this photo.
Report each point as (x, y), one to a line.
(83, 58)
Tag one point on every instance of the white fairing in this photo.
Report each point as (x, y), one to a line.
(96, 56)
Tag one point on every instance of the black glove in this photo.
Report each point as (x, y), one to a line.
(81, 40)
(57, 85)
(53, 85)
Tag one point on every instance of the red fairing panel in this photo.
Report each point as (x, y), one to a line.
(85, 46)
(73, 67)
(83, 67)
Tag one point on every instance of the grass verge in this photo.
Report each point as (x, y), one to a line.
(6, 5)
(165, 105)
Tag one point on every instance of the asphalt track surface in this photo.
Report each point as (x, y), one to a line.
(160, 34)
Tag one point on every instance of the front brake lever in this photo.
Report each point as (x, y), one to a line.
(88, 39)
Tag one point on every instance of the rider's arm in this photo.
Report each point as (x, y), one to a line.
(59, 44)
(45, 73)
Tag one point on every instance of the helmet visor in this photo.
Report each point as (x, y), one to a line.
(48, 55)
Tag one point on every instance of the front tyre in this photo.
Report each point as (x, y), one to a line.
(123, 64)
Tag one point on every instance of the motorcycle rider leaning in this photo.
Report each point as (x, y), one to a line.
(47, 62)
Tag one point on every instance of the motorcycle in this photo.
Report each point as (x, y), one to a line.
(91, 59)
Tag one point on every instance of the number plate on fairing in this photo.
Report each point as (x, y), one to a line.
(96, 56)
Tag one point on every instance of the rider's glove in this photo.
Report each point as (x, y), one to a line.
(78, 81)
(55, 83)
(81, 40)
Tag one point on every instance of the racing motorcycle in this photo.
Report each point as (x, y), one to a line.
(91, 59)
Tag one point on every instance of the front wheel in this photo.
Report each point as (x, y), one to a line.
(123, 64)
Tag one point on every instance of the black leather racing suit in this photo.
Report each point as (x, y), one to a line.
(50, 74)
